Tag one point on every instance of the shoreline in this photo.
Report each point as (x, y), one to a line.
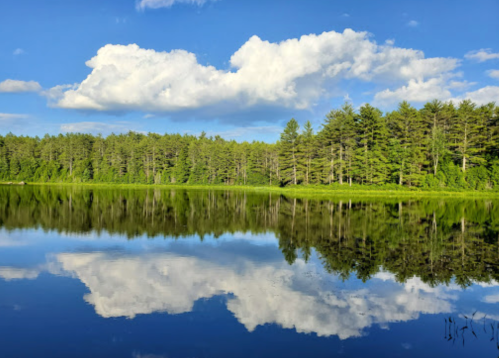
(290, 191)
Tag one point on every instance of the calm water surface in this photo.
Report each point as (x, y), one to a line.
(191, 273)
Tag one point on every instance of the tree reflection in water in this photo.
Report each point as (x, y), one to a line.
(437, 240)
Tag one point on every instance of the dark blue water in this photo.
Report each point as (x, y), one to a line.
(165, 273)
(105, 296)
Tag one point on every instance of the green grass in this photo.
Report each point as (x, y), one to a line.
(303, 191)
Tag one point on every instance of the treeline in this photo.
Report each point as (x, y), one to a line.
(436, 240)
(439, 146)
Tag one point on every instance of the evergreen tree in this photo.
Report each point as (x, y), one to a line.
(306, 153)
(467, 135)
(288, 153)
(338, 138)
(181, 170)
(408, 131)
(371, 155)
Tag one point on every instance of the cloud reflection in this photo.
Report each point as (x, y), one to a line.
(300, 297)
(14, 273)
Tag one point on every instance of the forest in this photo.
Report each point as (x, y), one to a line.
(441, 145)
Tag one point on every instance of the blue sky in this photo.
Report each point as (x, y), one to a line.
(232, 67)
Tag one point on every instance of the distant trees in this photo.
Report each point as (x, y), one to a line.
(440, 145)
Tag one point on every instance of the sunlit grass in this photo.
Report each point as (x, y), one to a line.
(304, 191)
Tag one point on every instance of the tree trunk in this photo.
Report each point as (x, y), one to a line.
(401, 171)
(331, 177)
(294, 168)
(341, 166)
(465, 145)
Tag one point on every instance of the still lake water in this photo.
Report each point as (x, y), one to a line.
(192, 273)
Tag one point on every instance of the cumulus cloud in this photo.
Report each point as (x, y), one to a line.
(156, 4)
(413, 23)
(98, 127)
(482, 55)
(291, 74)
(493, 74)
(15, 86)
(300, 297)
(18, 51)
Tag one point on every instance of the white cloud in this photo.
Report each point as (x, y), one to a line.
(413, 23)
(482, 55)
(11, 116)
(12, 273)
(481, 96)
(255, 239)
(55, 93)
(14, 86)
(301, 297)
(156, 4)
(97, 127)
(18, 51)
(493, 74)
(291, 74)
(492, 283)
(491, 299)
(414, 91)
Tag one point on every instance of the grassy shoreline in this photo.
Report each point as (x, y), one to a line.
(333, 190)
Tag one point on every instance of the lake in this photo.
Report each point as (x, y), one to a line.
(99, 272)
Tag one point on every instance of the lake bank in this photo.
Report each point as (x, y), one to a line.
(298, 191)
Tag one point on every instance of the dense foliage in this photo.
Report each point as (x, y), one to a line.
(434, 239)
(440, 145)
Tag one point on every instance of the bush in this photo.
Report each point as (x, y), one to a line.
(478, 178)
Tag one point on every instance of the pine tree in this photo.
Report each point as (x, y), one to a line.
(371, 154)
(438, 147)
(467, 134)
(306, 154)
(288, 153)
(340, 136)
(407, 128)
(181, 170)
